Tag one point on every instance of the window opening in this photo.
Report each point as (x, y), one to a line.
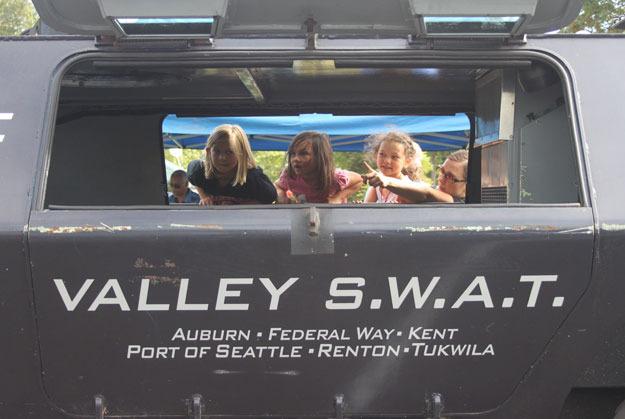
(185, 138)
(123, 131)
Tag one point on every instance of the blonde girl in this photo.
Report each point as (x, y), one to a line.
(310, 175)
(228, 174)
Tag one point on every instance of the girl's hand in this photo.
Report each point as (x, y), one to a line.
(282, 194)
(375, 178)
(282, 200)
(291, 197)
(206, 200)
(287, 197)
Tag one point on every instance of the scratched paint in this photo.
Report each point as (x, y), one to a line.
(5, 117)
(198, 226)
(613, 227)
(580, 230)
(160, 279)
(479, 229)
(80, 229)
(431, 229)
(226, 372)
(289, 373)
(142, 263)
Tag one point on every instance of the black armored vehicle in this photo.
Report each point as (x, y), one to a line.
(116, 304)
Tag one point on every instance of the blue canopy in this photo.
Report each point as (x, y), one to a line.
(347, 133)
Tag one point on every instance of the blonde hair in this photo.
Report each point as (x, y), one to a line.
(323, 159)
(461, 156)
(412, 151)
(240, 145)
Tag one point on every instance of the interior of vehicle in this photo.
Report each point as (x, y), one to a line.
(520, 141)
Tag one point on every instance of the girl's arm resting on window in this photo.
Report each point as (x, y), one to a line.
(205, 199)
(353, 185)
(417, 192)
(281, 195)
(370, 195)
(195, 173)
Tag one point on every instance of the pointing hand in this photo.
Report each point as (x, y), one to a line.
(374, 178)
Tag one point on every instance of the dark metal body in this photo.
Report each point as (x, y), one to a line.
(56, 361)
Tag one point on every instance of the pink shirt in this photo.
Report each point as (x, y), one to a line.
(299, 186)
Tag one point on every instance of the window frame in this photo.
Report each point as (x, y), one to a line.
(430, 59)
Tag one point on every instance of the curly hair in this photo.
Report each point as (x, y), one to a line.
(412, 151)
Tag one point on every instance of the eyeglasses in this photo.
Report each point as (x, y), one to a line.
(448, 176)
(176, 185)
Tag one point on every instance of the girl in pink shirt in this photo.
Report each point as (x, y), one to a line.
(311, 176)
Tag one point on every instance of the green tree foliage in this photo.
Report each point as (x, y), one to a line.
(16, 16)
(598, 16)
(183, 157)
(430, 163)
(272, 162)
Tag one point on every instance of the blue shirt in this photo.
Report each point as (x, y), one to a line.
(189, 198)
